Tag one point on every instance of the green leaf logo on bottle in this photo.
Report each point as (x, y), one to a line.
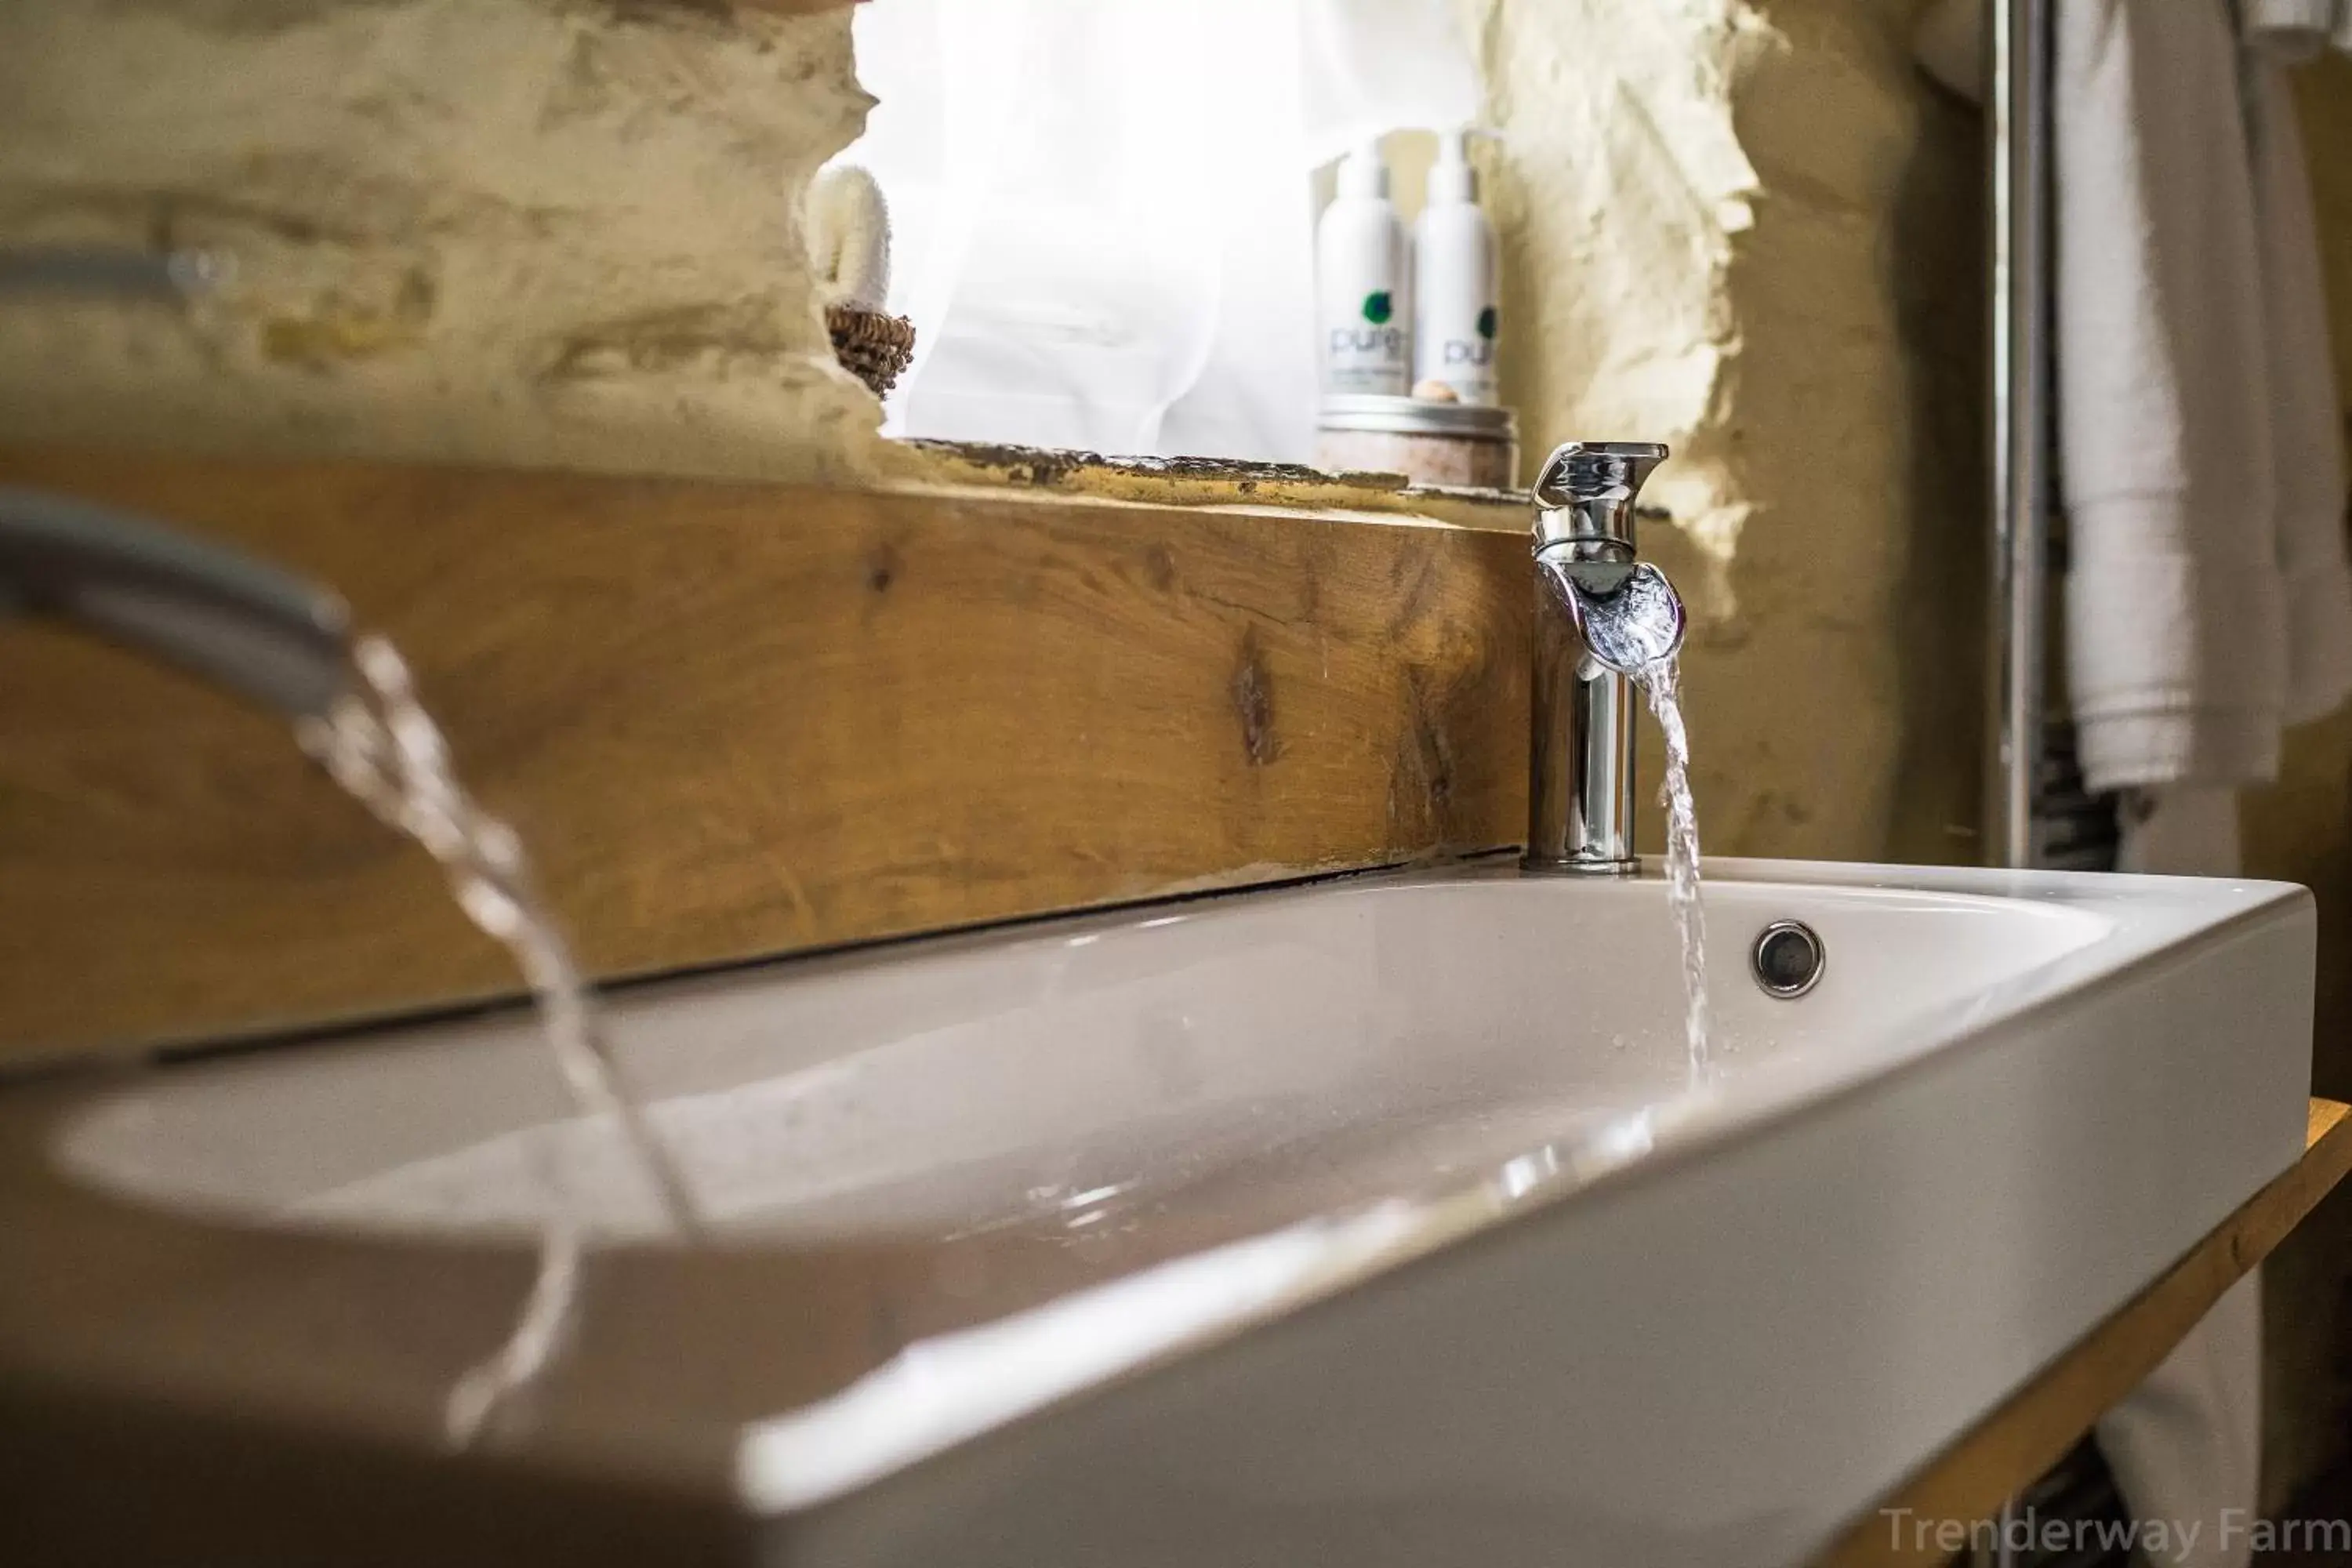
(1487, 324)
(1379, 307)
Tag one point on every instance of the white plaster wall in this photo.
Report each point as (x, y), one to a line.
(1748, 229)
(541, 232)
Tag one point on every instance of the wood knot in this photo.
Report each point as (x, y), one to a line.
(1160, 566)
(1252, 694)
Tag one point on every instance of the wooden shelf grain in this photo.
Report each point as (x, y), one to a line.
(734, 721)
(2019, 1442)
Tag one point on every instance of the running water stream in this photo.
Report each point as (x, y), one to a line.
(382, 747)
(1657, 681)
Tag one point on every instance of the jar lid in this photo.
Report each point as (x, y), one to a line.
(1383, 415)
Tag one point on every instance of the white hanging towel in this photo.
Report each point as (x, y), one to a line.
(2201, 473)
(2200, 449)
(2201, 470)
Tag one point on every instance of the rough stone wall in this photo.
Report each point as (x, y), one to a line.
(1752, 230)
(539, 232)
(2300, 830)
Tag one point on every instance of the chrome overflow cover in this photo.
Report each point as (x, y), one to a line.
(1788, 959)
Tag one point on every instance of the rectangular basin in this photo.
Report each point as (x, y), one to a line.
(1379, 1222)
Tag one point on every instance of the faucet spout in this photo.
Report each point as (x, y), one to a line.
(1628, 613)
(263, 634)
(1602, 616)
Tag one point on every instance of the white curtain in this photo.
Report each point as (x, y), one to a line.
(1101, 212)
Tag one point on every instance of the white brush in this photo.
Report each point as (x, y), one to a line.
(849, 237)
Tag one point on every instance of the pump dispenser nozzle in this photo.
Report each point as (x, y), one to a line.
(1450, 178)
(1363, 171)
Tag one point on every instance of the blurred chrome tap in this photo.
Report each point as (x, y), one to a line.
(110, 272)
(245, 625)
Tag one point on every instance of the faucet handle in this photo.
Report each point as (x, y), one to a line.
(1587, 490)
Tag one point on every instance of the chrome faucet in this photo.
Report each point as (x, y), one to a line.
(1601, 617)
(265, 636)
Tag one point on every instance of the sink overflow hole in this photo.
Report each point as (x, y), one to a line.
(1788, 959)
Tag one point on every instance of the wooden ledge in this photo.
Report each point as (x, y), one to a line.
(738, 720)
(1205, 482)
(2018, 1443)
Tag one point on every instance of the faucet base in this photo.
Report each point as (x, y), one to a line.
(1575, 866)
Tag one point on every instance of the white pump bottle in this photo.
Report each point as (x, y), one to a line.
(1363, 276)
(1455, 320)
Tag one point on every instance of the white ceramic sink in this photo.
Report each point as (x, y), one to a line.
(1377, 1222)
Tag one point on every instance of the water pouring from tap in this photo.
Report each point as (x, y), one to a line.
(1605, 622)
(287, 645)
